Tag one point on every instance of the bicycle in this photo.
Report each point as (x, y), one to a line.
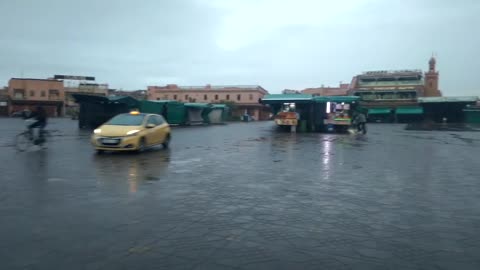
(30, 137)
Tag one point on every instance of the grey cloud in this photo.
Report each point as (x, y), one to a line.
(131, 44)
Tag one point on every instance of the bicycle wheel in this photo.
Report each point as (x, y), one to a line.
(23, 142)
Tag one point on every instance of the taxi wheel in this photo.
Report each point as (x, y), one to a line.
(166, 143)
(141, 145)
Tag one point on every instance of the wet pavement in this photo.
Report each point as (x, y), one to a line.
(243, 196)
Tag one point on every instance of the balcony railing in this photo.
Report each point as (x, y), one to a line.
(391, 83)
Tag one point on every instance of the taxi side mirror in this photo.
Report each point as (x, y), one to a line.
(150, 125)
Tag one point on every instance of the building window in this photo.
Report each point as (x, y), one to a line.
(205, 97)
(175, 97)
(43, 94)
(186, 97)
(53, 94)
(216, 97)
(32, 93)
(19, 93)
(250, 97)
(158, 98)
(239, 97)
(228, 97)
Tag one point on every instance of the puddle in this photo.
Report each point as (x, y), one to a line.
(56, 180)
(186, 161)
(441, 127)
(151, 178)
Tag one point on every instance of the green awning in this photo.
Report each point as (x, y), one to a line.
(162, 101)
(130, 101)
(347, 99)
(286, 98)
(379, 111)
(447, 99)
(86, 98)
(198, 105)
(409, 110)
(219, 106)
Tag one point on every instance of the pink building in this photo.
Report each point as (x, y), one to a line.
(341, 90)
(243, 98)
(29, 93)
(4, 101)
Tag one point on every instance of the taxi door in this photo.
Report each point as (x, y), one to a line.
(162, 128)
(151, 130)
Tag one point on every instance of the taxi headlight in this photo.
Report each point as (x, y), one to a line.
(132, 132)
(97, 131)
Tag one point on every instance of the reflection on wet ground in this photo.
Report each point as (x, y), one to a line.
(243, 196)
(136, 169)
(444, 127)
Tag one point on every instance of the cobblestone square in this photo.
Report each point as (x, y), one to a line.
(243, 196)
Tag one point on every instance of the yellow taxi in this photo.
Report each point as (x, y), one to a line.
(132, 131)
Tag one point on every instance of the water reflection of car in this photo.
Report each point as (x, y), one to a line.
(140, 170)
(24, 113)
(132, 132)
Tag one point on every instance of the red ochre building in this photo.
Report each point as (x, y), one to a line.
(243, 98)
(26, 94)
(384, 92)
(341, 90)
(396, 88)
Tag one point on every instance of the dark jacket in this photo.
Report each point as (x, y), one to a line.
(361, 118)
(40, 115)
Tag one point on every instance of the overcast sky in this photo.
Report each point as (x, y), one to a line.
(277, 44)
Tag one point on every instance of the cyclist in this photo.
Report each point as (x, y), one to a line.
(360, 120)
(40, 116)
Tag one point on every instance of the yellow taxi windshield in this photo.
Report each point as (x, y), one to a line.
(127, 120)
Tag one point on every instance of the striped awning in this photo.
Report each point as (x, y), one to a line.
(379, 111)
(409, 110)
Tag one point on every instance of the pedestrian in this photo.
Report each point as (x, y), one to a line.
(361, 121)
(165, 112)
(297, 115)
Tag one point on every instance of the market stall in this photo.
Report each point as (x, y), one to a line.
(337, 112)
(197, 113)
(218, 114)
(173, 111)
(96, 110)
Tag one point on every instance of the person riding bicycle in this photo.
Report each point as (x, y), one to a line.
(40, 116)
(360, 121)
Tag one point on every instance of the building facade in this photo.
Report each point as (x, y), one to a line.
(4, 101)
(341, 90)
(395, 88)
(84, 88)
(243, 99)
(26, 94)
(392, 96)
(392, 87)
(290, 91)
(136, 94)
(432, 80)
